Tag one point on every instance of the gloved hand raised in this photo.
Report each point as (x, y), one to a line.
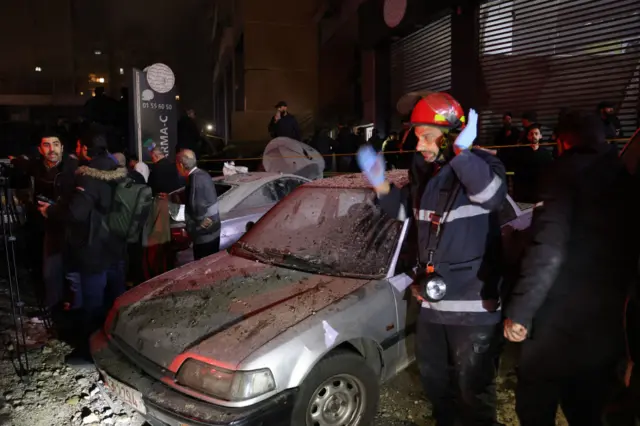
(372, 165)
(468, 134)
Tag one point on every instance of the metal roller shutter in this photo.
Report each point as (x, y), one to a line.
(544, 55)
(422, 60)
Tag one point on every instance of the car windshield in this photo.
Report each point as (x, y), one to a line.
(330, 231)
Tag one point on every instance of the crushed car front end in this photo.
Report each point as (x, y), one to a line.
(151, 391)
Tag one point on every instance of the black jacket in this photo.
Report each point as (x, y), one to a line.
(201, 203)
(528, 165)
(612, 127)
(583, 254)
(469, 252)
(163, 177)
(56, 184)
(287, 127)
(90, 248)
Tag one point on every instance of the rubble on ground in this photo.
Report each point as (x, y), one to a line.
(55, 394)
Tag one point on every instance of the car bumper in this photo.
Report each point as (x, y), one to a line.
(166, 406)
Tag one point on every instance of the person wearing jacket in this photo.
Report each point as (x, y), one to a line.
(91, 250)
(283, 124)
(567, 306)
(53, 178)
(458, 338)
(201, 206)
(528, 163)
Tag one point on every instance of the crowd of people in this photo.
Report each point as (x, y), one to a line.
(99, 216)
(565, 307)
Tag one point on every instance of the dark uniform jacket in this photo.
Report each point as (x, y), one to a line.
(468, 255)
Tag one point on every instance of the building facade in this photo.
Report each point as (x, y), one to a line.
(351, 60)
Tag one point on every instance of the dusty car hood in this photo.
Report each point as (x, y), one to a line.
(223, 307)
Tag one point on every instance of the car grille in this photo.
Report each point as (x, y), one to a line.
(144, 363)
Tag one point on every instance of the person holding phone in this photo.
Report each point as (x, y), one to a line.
(53, 180)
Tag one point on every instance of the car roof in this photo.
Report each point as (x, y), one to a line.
(244, 184)
(398, 177)
(244, 178)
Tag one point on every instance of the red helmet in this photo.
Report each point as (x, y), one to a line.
(438, 109)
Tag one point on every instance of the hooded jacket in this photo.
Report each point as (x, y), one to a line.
(469, 251)
(90, 248)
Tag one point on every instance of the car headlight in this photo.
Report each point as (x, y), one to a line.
(225, 384)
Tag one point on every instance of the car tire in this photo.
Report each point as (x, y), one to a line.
(337, 382)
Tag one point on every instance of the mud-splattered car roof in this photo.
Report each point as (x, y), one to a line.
(399, 178)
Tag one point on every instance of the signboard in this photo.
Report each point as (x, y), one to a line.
(154, 110)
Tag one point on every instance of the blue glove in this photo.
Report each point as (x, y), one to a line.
(468, 134)
(372, 165)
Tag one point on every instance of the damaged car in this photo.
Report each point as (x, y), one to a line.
(299, 323)
(243, 199)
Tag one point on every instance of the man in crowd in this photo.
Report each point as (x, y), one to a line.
(53, 179)
(567, 306)
(346, 145)
(506, 134)
(283, 124)
(610, 121)
(139, 166)
(201, 206)
(528, 163)
(159, 257)
(90, 249)
(376, 141)
(163, 178)
(131, 173)
(458, 337)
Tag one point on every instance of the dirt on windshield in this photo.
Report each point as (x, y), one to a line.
(363, 240)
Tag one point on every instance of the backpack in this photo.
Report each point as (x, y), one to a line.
(130, 207)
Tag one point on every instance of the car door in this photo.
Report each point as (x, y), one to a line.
(407, 309)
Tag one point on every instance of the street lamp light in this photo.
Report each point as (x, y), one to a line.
(38, 69)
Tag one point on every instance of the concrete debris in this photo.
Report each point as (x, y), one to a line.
(90, 419)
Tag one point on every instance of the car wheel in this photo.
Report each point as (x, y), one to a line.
(341, 390)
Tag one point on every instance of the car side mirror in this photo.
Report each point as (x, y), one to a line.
(248, 226)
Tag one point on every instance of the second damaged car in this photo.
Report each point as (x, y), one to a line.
(298, 324)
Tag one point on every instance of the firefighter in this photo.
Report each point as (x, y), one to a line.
(454, 194)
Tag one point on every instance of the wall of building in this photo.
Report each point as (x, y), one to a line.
(339, 74)
(280, 63)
